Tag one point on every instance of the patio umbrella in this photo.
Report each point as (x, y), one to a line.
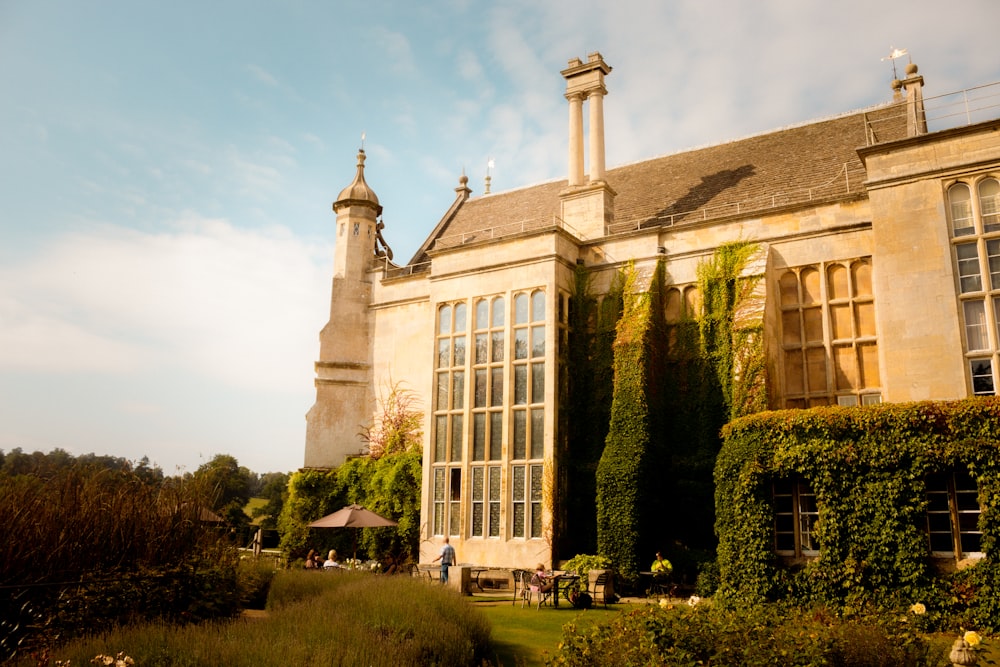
(353, 516)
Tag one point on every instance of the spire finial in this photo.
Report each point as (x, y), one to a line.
(489, 175)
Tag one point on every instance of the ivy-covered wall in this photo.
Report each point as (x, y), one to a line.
(623, 471)
(673, 387)
(867, 466)
(585, 409)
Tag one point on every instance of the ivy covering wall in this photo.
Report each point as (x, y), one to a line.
(868, 468)
(585, 408)
(674, 386)
(623, 471)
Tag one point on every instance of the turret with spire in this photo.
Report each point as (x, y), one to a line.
(344, 395)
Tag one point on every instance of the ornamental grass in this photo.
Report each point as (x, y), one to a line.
(312, 618)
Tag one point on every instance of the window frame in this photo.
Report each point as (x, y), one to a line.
(975, 253)
(955, 487)
(803, 508)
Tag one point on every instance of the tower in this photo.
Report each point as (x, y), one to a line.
(344, 394)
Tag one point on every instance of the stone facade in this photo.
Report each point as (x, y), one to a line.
(864, 297)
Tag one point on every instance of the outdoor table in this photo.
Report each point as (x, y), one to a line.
(474, 573)
(665, 586)
(565, 578)
(430, 569)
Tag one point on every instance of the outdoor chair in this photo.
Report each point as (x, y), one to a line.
(520, 584)
(600, 587)
(530, 589)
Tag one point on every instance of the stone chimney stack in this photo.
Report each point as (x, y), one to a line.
(587, 205)
(585, 82)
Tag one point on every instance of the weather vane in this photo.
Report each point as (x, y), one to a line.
(362, 142)
(895, 53)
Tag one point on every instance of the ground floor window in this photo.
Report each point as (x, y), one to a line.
(447, 500)
(795, 516)
(485, 501)
(526, 500)
(981, 371)
(953, 515)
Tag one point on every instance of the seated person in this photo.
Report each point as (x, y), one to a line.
(661, 565)
(541, 581)
(331, 560)
(391, 567)
(312, 559)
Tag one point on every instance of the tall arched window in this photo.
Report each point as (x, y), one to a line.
(975, 225)
(960, 203)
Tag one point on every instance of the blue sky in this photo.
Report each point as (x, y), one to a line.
(167, 170)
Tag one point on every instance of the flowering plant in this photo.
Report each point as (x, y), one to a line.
(919, 609)
(966, 648)
(120, 660)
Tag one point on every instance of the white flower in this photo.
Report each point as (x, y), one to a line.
(972, 638)
(664, 602)
(693, 600)
(918, 609)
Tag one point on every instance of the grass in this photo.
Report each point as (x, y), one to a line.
(522, 637)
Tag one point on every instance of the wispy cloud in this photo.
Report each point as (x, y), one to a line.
(262, 75)
(395, 47)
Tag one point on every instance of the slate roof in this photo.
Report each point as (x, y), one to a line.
(802, 165)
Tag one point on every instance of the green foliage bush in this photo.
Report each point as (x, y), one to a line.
(764, 636)
(868, 467)
(389, 485)
(584, 563)
(254, 579)
(316, 618)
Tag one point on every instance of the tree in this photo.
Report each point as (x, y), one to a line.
(274, 488)
(228, 484)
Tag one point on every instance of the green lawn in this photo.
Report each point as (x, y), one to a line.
(523, 636)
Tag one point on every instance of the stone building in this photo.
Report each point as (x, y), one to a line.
(879, 241)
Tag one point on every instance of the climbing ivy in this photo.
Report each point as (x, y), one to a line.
(731, 338)
(674, 386)
(623, 464)
(868, 468)
(585, 407)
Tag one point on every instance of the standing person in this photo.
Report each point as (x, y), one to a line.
(447, 558)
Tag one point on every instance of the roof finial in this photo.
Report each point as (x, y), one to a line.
(489, 175)
(363, 141)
